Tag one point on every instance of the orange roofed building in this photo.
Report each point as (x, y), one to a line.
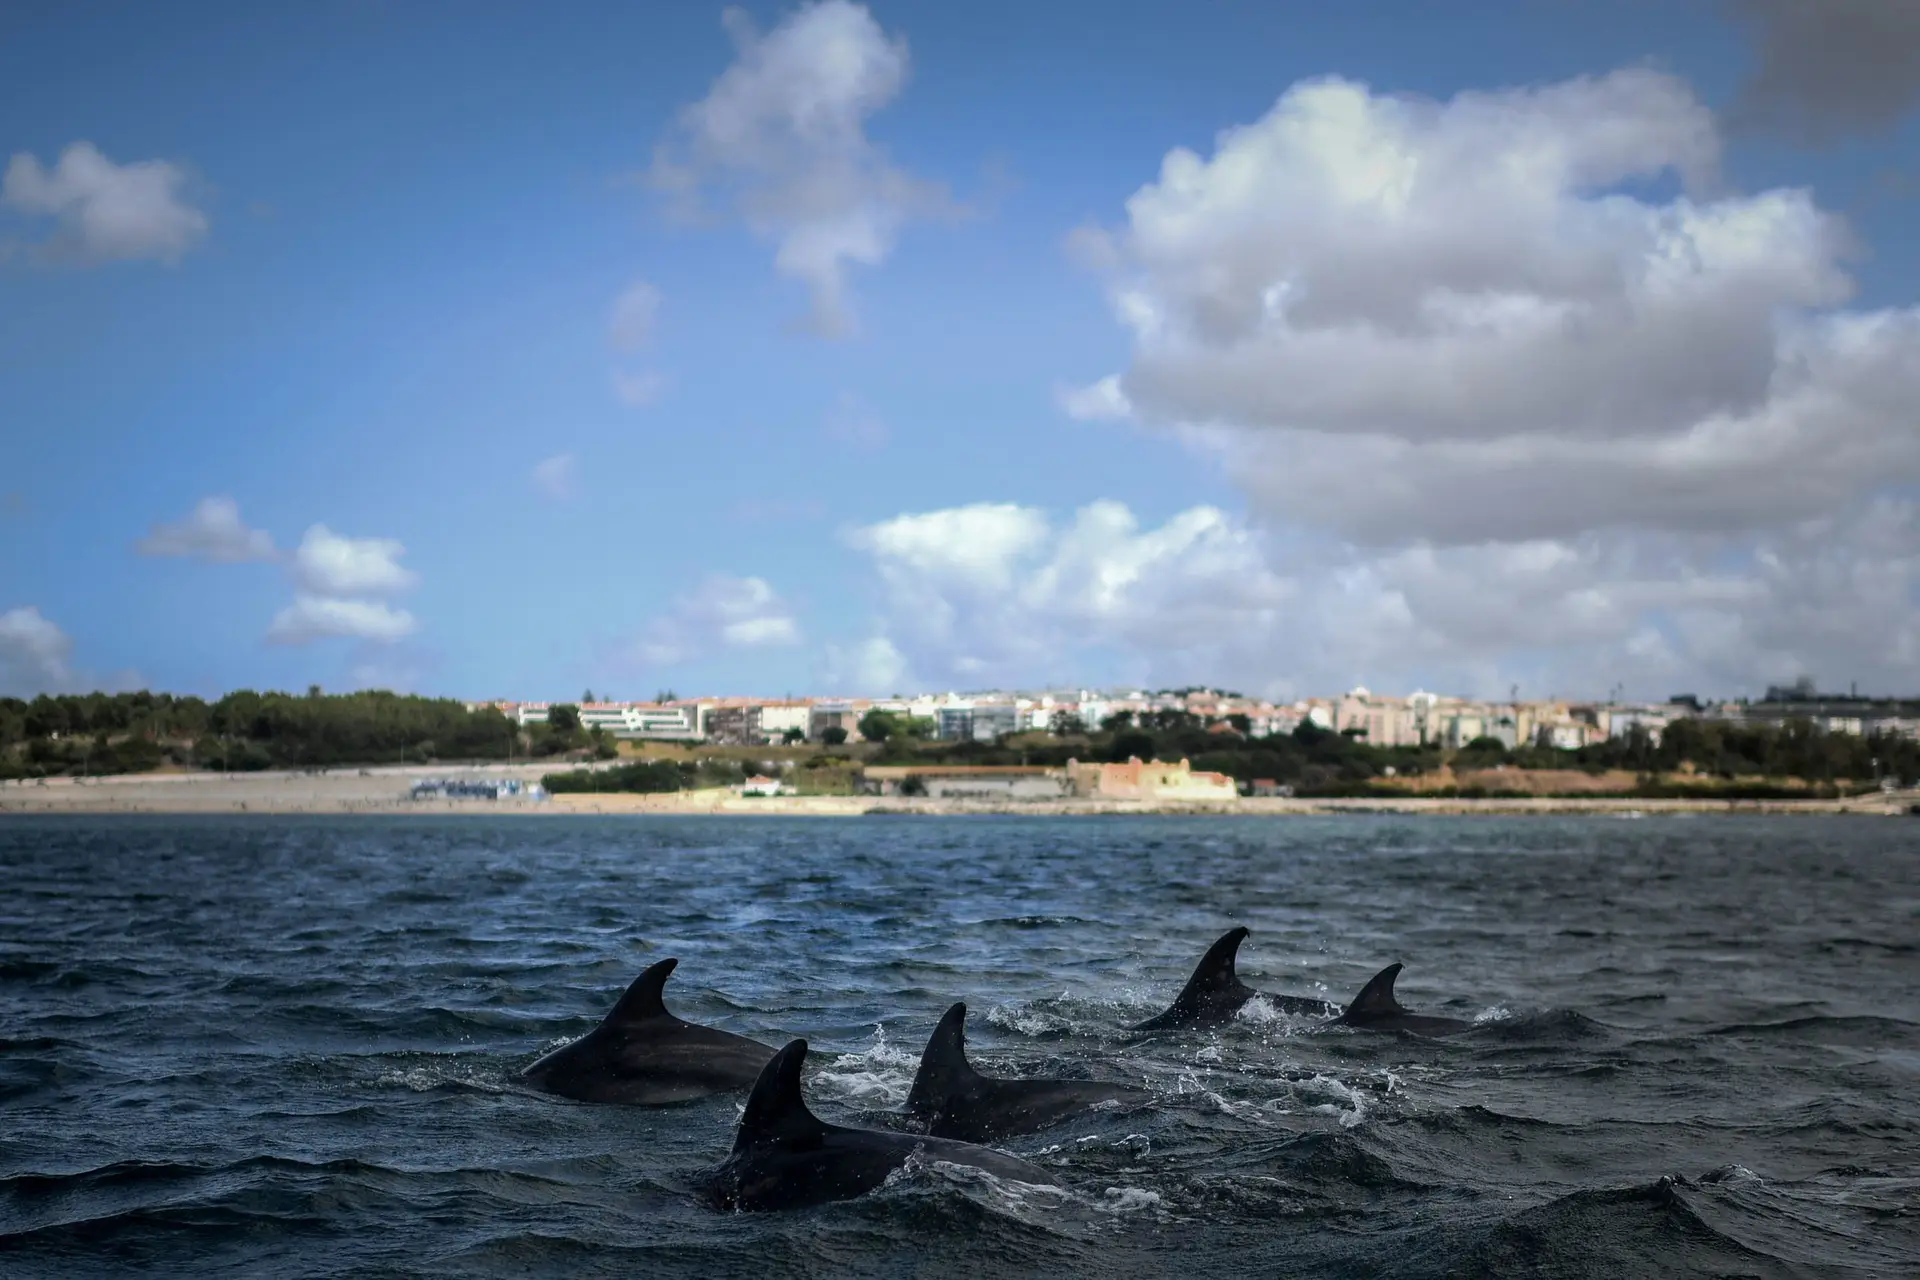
(1154, 780)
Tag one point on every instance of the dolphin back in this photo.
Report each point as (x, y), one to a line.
(944, 1069)
(1213, 993)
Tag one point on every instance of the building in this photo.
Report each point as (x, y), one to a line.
(824, 715)
(964, 782)
(1154, 780)
(954, 723)
(673, 721)
(777, 719)
(994, 719)
(736, 724)
(761, 785)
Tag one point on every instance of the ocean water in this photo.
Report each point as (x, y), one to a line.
(277, 1046)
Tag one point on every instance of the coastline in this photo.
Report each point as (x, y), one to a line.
(387, 790)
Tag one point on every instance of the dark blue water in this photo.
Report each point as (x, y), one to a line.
(286, 1047)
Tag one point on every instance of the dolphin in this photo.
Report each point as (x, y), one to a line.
(1214, 994)
(642, 1054)
(952, 1100)
(1375, 1009)
(785, 1157)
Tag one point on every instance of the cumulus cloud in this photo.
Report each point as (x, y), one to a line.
(102, 211)
(999, 592)
(212, 531)
(724, 612)
(1827, 67)
(557, 478)
(1441, 342)
(873, 667)
(630, 328)
(35, 654)
(311, 618)
(326, 564)
(781, 140)
(1102, 401)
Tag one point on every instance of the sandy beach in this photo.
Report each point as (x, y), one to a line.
(389, 791)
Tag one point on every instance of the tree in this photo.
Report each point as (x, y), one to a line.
(878, 726)
(586, 696)
(1117, 721)
(794, 736)
(563, 717)
(833, 735)
(666, 695)
(1067, 724)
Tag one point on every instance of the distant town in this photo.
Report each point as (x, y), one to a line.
(1418, 719)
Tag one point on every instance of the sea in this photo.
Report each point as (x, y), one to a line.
(288, 1046)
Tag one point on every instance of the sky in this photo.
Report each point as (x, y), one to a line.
(509, 351)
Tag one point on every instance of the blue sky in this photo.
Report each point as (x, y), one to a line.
(495, 351)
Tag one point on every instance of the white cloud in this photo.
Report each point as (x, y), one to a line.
(35, 654)
(724, 612)
(637, 390)
(630, 328)
(1402, 319)
(781, 138)
(987, 593)
(213, 531)
(311, 618)
(327, 564)
(558, 477)
(105, 212)
(1102, 401)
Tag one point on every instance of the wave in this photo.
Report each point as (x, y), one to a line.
(1856, 1030)
(1650, 1229)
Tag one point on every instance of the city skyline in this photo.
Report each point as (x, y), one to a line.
(852, 349)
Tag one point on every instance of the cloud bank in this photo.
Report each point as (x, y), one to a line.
(1512, 382)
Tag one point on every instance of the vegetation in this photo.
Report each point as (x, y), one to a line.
(100, 733)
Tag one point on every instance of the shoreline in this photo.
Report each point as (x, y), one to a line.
(386, 791)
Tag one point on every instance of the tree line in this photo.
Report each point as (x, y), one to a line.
(100, 733)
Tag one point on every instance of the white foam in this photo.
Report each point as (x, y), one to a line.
(880, 1073)
(1131, 1200)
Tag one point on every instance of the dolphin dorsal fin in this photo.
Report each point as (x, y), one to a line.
(643, 999)
(1215, 972)
(775, 1110)
(1376, 998)
(943, 1064)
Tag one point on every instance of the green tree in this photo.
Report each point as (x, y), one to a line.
(833, 735)
(878, 726)
(793, 737)
(564, 717)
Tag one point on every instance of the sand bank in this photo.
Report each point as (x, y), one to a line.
(388, 791)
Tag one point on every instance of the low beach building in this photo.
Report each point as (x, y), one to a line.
(1150, 780)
